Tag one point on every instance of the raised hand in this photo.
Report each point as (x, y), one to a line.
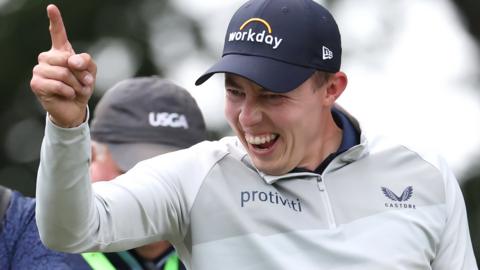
(62, 80)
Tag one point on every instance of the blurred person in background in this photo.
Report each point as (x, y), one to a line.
(20, 245)
(137, 119)
(300, 186)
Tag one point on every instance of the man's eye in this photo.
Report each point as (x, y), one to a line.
(272, 97)
(234, 92)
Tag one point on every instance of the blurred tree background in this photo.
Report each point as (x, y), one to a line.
(129, 26)
(470, 11)
(91, 26)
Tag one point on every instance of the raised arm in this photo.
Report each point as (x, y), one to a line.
(72, 214)
(63, 83)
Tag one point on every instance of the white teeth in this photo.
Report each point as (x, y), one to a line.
(260, 139)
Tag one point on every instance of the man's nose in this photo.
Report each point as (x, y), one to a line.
(251, 113)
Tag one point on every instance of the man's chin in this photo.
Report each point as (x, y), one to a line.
(270, 169)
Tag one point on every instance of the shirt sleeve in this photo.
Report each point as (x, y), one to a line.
(150, 202)
(455, 249)
(64, 209)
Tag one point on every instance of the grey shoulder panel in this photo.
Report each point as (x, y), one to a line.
(395, 178)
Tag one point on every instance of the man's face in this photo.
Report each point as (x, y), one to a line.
(102, 166)
(279, 131)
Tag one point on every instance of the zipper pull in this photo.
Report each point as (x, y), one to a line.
(320, 183)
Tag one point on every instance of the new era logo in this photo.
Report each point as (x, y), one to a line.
(327, 54)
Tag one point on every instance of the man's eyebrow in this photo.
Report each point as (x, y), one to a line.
(231, 82)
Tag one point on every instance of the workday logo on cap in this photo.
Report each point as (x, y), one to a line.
(279, 44)
(252, 36)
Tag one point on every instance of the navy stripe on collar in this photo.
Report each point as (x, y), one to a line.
(350, 134)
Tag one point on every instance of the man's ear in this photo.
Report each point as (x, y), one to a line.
(337, 83)
(93, 153)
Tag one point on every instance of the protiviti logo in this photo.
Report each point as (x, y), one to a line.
(259, 37)
(256, 197)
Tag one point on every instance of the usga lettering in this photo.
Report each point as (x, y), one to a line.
(166, 119)
(255, 37)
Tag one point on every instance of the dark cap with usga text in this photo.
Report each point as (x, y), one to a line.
(143, 117)
(278, 44)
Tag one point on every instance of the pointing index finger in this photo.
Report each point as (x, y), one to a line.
(58, 33)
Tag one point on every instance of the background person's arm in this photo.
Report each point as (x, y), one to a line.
(29, 252)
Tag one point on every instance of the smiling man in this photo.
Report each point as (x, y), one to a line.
(299, 187)
(284, 131)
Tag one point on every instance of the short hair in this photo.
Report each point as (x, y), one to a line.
(320, 78)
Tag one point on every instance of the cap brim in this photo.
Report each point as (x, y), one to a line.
(126, 155)
(273, 75)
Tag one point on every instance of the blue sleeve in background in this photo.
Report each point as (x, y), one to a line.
(20, 245)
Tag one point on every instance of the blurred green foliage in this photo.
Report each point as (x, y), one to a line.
(24, 34)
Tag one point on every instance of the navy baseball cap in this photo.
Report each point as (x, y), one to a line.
(278, 44)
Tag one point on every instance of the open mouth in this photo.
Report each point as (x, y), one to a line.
(262, 142)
